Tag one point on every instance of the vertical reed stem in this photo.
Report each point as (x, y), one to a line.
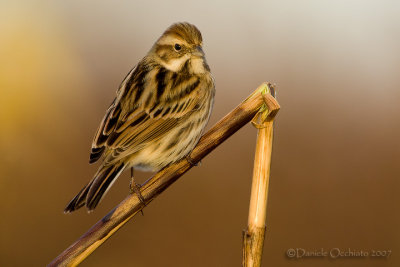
(253, 236)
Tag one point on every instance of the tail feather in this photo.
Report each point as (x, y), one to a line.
(79, 200)
(104, 179)
(95, 190)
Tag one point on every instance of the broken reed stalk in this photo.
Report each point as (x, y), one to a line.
(253, 236)
(131, 205)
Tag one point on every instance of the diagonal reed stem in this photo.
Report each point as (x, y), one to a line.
(253, 236)
(131, 205)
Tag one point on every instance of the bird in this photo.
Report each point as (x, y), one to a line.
(157, 117)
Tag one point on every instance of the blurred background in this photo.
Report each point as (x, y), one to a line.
(335, 170)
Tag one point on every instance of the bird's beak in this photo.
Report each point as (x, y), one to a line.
(198, 52)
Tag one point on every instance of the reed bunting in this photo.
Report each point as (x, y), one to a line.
(158, 115)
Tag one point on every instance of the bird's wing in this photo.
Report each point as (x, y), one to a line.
(148, 105)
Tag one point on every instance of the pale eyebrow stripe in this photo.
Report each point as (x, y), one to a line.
(168, 40)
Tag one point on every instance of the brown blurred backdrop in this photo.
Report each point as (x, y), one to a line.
(335, 172)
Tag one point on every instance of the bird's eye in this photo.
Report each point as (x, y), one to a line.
(177, 47)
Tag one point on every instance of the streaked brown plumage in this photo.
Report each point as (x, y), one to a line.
(158, 115)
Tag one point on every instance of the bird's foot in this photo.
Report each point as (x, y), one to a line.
(135, 188)
(191, 161)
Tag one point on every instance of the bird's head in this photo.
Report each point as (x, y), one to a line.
(180, 49)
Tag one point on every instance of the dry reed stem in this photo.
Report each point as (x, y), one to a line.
(253, 236)
(131, 205)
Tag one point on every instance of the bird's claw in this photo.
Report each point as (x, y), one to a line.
(135, 188)
(191, 161)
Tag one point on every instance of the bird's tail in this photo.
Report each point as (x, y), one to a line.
(95, 190)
